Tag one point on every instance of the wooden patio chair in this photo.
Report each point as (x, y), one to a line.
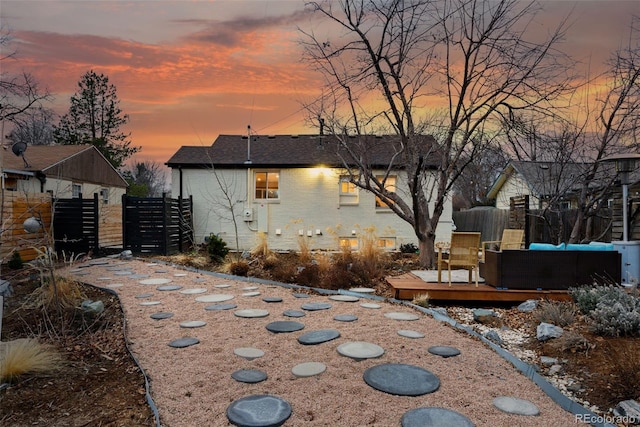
(511, 239)
(463, 253)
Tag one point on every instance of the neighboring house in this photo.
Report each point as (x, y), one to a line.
(288, 190)
(65, 171)
(541, 181)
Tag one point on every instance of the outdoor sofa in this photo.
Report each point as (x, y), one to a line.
(552, 267)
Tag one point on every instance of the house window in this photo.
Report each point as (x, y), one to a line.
(104, 195)
(76, 191)
(350, 243)
(387, 243)
(348, 192)
(390, 186)
(267, 185)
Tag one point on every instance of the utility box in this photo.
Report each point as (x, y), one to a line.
(247, 215)
(630, 252)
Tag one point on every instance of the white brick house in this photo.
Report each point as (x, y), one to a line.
(285, 188)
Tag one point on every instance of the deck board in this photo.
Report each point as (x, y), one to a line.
(408, 285)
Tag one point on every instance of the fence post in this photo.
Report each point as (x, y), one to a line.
(165, 233)
(124, 222)
(96, 224)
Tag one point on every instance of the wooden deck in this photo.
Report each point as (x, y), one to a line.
(408, 285)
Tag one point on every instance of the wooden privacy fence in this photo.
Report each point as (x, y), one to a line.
(16, 208)
(157, 225)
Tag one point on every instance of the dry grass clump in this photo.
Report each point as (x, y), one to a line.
(572, 341)
(237, 268)
(27, 356)
(261, 249)
(624, 359)
(59, 293)
(421, 300)
(559, 313)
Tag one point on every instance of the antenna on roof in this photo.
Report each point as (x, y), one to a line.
(18, 149)
(248, 161)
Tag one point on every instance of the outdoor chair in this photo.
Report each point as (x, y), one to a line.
(463, 253)
(511, 239)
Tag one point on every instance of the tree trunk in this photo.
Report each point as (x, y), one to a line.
(427, 257)
(577, 228)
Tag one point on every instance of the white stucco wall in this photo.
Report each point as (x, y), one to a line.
(309, 200)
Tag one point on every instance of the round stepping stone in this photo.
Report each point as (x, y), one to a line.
(272, 299)
(169, 288)
(161, 315)
(98, 262)
(114, 285)
(103, 278)
(138, 276)
(360, 350)
(294, 313)
(251, 294)
(141, 296)
(308, 369)
(259, 410)
(513, 405)
(214, 307)
(123, 273)
(161, 271)
(251, 313)
(75, 270)
(155, 281)
(314, 306)
(151, 264)
(369, 305)
(250, 288)
(284, 326)
(401, 380)
(184, 342)
(318, 337)
(150, 303)
(401, 316)
(344, 298)
(410, 334)
(222, 286)
(443, 351)
(346, 318)
(192, 324)
(250, 376)
(300, 295)
(180, 275)
(248, 353)
(363, 290)
(214, 298)
(434, 417)
(193, 291)
(199, 279)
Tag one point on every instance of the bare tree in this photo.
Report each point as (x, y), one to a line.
(34, 127)
(19, 92)
(145, 179)
(387, 62)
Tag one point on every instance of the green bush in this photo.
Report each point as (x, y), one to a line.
(217, 249)
(587, 297)
(15, 263)
(617, 314)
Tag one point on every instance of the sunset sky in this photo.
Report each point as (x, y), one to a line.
(187, 71)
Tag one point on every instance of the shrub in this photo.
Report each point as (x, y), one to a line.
(556, 312)
(408, 248)
(308, 275)
(239, 268)
(15, 263)
(587, 297)
(59, 293)
(217, 249)
(624, 359)
(617, 314)
(25, 356)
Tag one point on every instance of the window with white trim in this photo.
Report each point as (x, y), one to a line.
(350, 243)
(390, 186)
(348, 191)
(387, 243)
(76, 191)
(267, 185)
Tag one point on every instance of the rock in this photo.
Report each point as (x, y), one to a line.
(548, 361)
(483, 315)
(556, 370)
(528, 306)
(442, 311)
(574, 387)
(514, 405)
(92, 307)
(547, 331)
(493, 336)
(629, 409)
(127, 254)
(5, 288)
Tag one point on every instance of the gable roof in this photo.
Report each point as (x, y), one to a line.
(66, 161)
(229, 151)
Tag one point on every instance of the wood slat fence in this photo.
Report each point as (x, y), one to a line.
(16, 208)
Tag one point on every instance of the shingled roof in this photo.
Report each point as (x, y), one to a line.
(41, 157)
(281, 151)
